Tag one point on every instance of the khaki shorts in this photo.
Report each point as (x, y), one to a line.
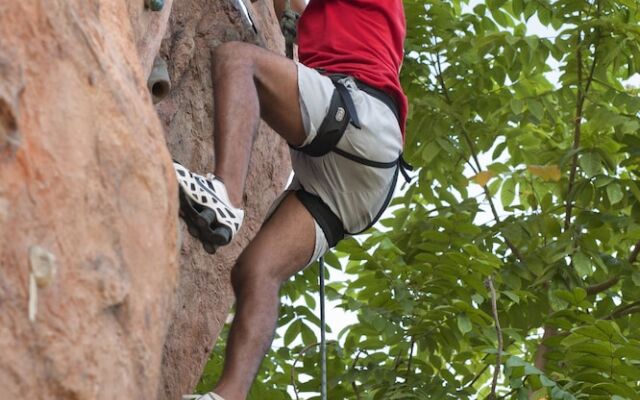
(354, 192)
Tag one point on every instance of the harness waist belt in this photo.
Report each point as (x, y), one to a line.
(374, 92)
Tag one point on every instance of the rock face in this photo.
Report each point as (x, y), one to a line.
(204, 293)
(85, 176)
(96, 299)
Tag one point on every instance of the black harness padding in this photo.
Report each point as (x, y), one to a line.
(332, 128)
(347, 100)
(342, 111)
(327, 219)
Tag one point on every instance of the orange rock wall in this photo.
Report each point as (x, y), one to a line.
(204, 292)
(86, 177)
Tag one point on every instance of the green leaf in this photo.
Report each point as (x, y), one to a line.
(515, 361)
(591, 332)
(517, 106)
(614, 192)
(591, 163)
(546, 381)
(635, 190)
(635, 277)
(518, 7)
(464, 323)
(579, 294)
(292, 332)
(508, 192)
(308, 337)
(582, 263)
(628, 352)
(512, 296)
(536, 109)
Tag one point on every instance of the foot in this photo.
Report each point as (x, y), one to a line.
(205, 207)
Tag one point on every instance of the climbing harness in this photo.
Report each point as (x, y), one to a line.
(342, 112)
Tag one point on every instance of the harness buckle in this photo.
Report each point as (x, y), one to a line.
(340, 114)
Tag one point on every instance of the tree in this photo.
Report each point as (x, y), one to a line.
(509, 267)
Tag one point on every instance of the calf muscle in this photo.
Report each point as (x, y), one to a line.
(282, 247)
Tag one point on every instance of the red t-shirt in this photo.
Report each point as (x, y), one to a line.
(361, 38)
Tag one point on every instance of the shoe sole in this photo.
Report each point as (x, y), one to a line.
(201, 224)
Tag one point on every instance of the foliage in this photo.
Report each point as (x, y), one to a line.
(528, 186)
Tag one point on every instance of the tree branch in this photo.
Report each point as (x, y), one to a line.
(398, 362)
(353, 367)
(602, 286)
(494, 309)
(628, 311)
(540, 360)
(582, 95)
(474, 156)
(494, 211)
(478, 375)
(634, 253)
(624, 310)
(413, 343)
(445, 92)
(577, 126)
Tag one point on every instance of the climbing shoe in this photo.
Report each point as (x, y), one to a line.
(208, 396)
(205, 207)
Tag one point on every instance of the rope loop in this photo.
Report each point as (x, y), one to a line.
(288, 26)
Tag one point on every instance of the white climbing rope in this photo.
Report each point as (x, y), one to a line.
(323, 339)
(289, 28)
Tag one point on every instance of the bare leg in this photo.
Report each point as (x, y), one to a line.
(249, 83)
(282, 247)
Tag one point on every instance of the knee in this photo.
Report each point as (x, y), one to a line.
(240, 275)
(250, 273)
(231, 56)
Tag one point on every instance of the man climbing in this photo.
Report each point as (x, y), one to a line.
(342, 111)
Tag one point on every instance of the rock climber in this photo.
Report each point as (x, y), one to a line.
(342, 111)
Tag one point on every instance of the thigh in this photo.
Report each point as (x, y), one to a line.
(285, 243)
(277, 83)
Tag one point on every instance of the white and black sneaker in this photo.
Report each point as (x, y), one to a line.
(208, 396)
(205, 207)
